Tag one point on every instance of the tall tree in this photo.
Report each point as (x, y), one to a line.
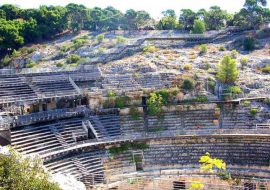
(216, 18)
(198, 27)
(168, 21)
(227, 70)
(76, 15)
(187, 18)
(12, 12)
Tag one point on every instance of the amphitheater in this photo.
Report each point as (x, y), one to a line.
(69, 118)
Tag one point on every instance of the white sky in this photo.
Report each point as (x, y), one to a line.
(154, 7)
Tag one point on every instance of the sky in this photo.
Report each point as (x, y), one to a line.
(154, 7)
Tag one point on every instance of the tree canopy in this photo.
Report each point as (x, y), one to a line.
(227, 70)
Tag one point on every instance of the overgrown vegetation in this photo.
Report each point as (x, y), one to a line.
(23, 173)
(198, 27)
(188, 84)
(127, 146)
(149, 49)
(249, 43)
(227, 70)
(134, 113)
(154, 104)
(203, 49)
(234, 90)
(266, 69)
(100, 38)
(253, 112)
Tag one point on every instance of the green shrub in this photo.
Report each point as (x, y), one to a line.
(164, 93)
(188, 84)
(111, 94)
(198, 27)
(127, 146)
(134, 113)
(78, 42)
(31, 64)
(15, 53)
(222, 48)
(154, 104)
(249, 43)
(227, 70)
(100, 38)
(5, 61)
(59, 65)
(120, 39)
(149, 49)
(64, 49)
(101, 50)
(244, 61)
(266, 69)
(234, 54)
(253, 111)
(73, 59)
(121, 102)
(207, 66)
(234, 90)
(201, 99)
(203, 49)
(187, 67)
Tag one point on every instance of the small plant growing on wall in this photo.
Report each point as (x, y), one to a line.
(253, 112)
(154, 104)
(134, 113)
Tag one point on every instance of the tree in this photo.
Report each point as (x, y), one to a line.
(227, 70)
(154, 104)
(216, 18)
(168, 21)
(208, 163)
(187, 18)
(2, 14)
(198, 27)
(77, 15)
(11, 12)
(17, 172)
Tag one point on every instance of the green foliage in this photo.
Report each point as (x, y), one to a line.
(253, 111)
(222, 48)
(120, 39)
(127, 146)
(121, 101)
(196, 185)
(31, 64)
(234, 90)
(201, 99)
(198, 27)
(227, 70)
(216, 18)
(23, 173)
(149, 49)
(154, 104)
(5, 61)
(203, 49)
(249, 43)
(234, 54)
(266, 69)
(267, 101)
(244, 61)
(100, 38)
(77, 43)
(101, 50)
(164, 93)
(59, 65)
(168, 21)
(208, 163)
(134, 113)
(187, 18)
(73, 59)
(111, 94)
(188, 84)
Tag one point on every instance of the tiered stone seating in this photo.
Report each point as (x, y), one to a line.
(130, 125)
(241, 151)
(107, 125)
(47, 137)
(86, 166)
(151, 80)
(122, 82)
(13, 89)
(237, 118)
(55, 88)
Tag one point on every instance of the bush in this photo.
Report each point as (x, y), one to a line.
(73, 59)
(134, 113)
(188, 84)
(227, 70)
(149, 49)
(244, 62)
(31, 64)
(121, 102)
(222, 48)
(15, 53)
(5, 61)
(100, 38)
(111, 94)
(198, 27)
(253, 111)
(154, 104)
(266, 69)
(234, 54)
(187, 67)
(101, 50)
(203, 49)
(207, 66)
(234, 90)
(249, 43)
(164, 94)
(120, 39)
(201, 99)
(59, 65)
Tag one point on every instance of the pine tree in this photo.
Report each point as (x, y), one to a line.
(227, 70)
